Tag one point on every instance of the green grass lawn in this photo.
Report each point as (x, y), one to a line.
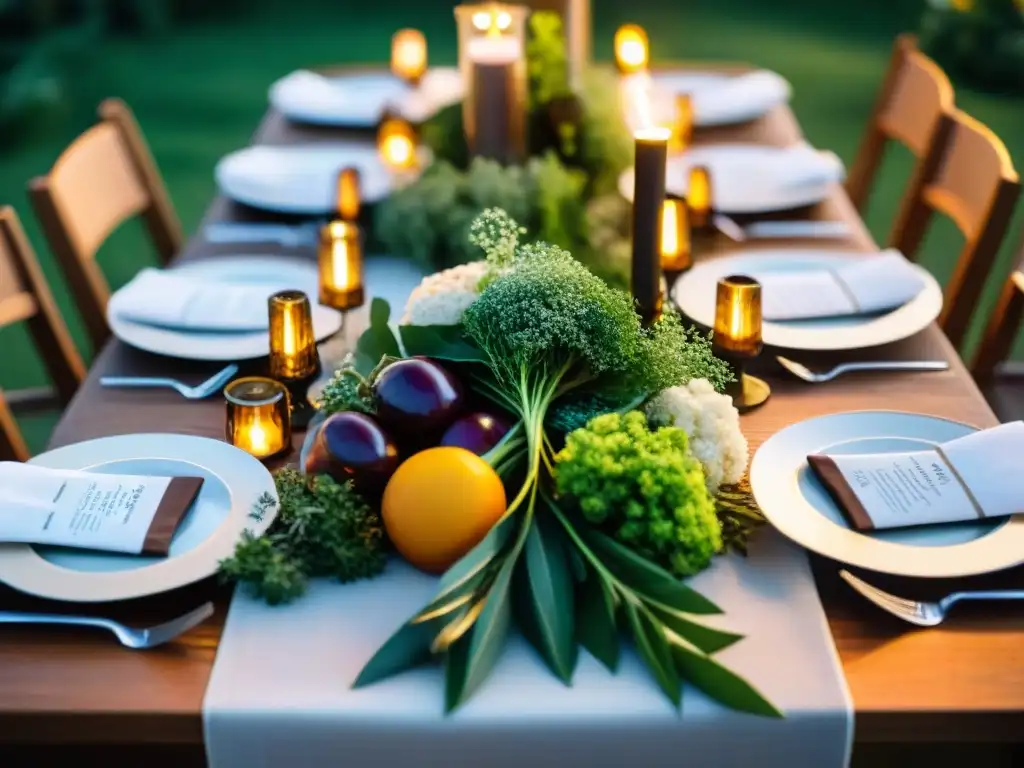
(199, 91)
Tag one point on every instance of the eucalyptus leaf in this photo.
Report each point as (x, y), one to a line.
(439, 342)
(407, 648)
(708, 639)
(653, 648)
(721, 684)
(472, 657)
(644, 577)
(458, 626)
(550, 586)
(477, 559)
(378, 340)
(595, 621)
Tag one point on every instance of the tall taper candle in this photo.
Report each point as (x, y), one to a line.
(498, 121)
(648, 196)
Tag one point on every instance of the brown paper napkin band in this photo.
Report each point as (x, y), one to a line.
(841, 492)
(179, 496)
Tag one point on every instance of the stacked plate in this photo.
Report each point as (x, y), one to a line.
(212, 309)
(718, 99)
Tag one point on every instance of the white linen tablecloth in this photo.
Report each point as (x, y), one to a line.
(280, 690)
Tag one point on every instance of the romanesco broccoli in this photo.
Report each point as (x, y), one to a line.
(643, 487)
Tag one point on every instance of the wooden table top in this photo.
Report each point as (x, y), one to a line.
(961, 682)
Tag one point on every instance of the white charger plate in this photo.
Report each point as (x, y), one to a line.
(747, 178)
(360, 99)
(711, 103)
(234, 481)
(694, 294)
(797, 504)
(302, 179)
(276, 272)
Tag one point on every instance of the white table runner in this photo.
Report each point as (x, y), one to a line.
(280, 690)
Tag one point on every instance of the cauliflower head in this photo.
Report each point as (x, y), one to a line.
(442, 298)
(642, 487)
(711, 422)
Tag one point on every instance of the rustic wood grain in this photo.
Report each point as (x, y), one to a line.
(960, 683)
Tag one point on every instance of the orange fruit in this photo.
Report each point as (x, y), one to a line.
(439, 504)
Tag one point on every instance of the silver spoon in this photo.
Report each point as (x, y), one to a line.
(801, 371)
(147, 637)
(198, 392)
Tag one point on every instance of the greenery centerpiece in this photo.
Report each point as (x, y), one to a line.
(565, 193)
(577, 521)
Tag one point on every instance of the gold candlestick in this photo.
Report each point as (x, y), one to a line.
(409, 55)
(676, 253)
(294, 359)
(258, 416)
(651, 152)
(737, 337)
(396, 143)
(341, 266)
(631, 49)
(698, 197)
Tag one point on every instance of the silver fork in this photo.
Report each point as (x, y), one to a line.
(198, 392)
(919, 612)
(130, 637)
(801, 371)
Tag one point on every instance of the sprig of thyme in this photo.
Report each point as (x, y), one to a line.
(323, 529)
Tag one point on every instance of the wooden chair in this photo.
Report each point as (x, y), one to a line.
(968, 176)
(25, 297)
(106, 176)
(915, 93)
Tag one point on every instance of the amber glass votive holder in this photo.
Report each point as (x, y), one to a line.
(682, 128)
(676, 253)
(698, 197)
(349, 196)
(632, 51)
(258, 416)
(294, 359)
(341, 266)
(409, 55)
(737, 337)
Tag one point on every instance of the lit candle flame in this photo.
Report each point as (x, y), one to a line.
(397, 145)
(409, 55)
(257, 438)
(288, 346)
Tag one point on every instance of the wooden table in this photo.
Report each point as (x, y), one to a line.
(959, 684)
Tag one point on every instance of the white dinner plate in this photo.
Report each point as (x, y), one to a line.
(797, 504)
(360, 99)
(719, 99)
(694, 294)
(234, 481)
(302, 179)
(276, 272)
(751, 178)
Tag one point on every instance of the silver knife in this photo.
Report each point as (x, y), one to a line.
(282, 234)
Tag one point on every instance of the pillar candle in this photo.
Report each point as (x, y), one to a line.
(648, 195)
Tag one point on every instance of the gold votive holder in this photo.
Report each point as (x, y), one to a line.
(676, 253)
(349, 197)
(409, 55)
(396, 144)
(341, 266)
(258, 419)
(698, 197)
(737, 338)
(631, 49)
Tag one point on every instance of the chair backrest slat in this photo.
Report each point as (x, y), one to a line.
(25, 297)
(969, 177)
(915, 93)
(104, 177)
(1003, 324)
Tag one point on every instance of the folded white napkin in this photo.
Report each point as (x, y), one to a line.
(805, 166)
(761, 88)
(167, 300)
(972, 477)
(859, 286)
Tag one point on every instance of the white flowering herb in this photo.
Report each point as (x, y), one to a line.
(441, 298)
(713, 425)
